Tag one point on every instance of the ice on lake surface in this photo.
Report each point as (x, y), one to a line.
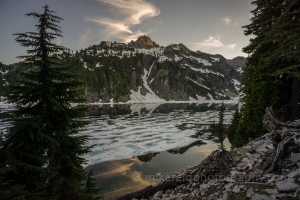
(125, 131)
(149, 140)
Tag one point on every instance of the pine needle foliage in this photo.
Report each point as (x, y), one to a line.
(42, 151)
(232, 128)
(270, 71)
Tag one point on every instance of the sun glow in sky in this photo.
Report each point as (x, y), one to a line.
(210, 26)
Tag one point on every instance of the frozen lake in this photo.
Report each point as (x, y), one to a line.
(124, 131)
(147, 139)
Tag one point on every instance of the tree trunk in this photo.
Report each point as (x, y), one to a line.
(285, 134)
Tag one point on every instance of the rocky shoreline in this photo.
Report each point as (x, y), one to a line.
(264, 169)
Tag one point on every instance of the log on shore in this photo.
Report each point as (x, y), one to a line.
(282, 134)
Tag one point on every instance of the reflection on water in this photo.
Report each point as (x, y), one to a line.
(146, 158)
(128, 175)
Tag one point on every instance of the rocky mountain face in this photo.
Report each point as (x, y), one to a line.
(143, 42)
(238, 63)
(142, 71)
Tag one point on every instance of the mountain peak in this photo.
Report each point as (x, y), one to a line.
(144, 42)
(183, 47)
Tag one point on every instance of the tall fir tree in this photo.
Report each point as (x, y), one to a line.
(218, 129)
(221, 117)
(42, 151)
(232, 128)
(286, 32)
(91, 186)
(263, 85)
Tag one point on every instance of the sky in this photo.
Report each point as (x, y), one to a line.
(211, 26)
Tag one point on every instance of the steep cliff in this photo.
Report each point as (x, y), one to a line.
(142, 71)
(143, 42)
(238, 63)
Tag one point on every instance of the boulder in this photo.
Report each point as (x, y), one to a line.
(295, 157)
(203, 185)
(270, 146)
(262, 149)
(261, 197)
(294, 173)
(287, 186)
(236, 189)
(228, 186)
(250, 193)
(272, 191)
(158, 194)
(255, 174)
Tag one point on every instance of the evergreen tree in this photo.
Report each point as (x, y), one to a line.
(286, 32)
(221, 117)
(232, 129)
(91, 185)
(42, 150)
(269, 53)
(218, 129)
(234, 122)
(219, 126)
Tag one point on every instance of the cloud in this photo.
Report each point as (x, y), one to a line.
(231, 46)
(212, 42)
(136, 10)
(132, 12)
(226, 20)
(84, 36)
(215, 42)
(234, 22)
(230, 22)
(115, 25)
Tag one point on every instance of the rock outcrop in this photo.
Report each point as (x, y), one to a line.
(143, 42)
(237, 62)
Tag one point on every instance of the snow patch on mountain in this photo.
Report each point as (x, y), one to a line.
(4, 71)
(198, 83)
(236, 84)
(206, 71)
(150, 69)
(199, 60)
(215, 59)
(150, 96)
(99, 65)
(192, 99)
(175, 47)
(200, 98)
(156, 51)
(210, 96)
(164, 58)
(177, 58)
